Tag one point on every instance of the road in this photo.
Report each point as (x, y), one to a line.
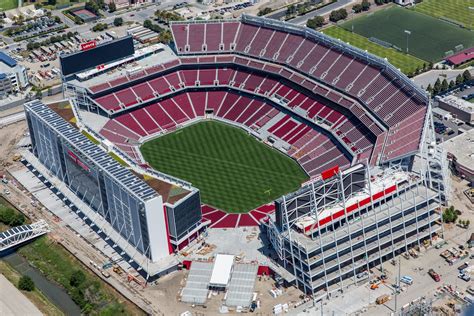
(430, 77)
(13, 302)
(13, 118)
(301, 20)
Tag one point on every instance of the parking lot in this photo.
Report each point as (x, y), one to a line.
(447, 129)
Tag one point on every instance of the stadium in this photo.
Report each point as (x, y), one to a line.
(249, 122)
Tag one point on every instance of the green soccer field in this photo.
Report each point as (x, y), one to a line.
(234, 171)
(430, 38)
(8, 4)
(406, 63)
(453, 10)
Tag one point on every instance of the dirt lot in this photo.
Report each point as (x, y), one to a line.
(9, 137)
(168, 289)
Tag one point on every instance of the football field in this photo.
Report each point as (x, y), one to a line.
(429, 38)
(406, 63)
(8, 5)
(234, 171)
(457, 11)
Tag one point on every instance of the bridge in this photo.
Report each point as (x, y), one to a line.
(17, 235)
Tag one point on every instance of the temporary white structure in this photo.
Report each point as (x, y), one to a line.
(222, 269)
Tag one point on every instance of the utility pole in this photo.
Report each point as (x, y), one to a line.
(398, 284)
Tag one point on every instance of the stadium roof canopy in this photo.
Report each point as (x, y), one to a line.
(222, 270)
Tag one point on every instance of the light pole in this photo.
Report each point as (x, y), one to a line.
(407, 32)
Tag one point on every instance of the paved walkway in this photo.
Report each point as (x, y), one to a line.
(13, 302)
(300, 20)
(431, 76)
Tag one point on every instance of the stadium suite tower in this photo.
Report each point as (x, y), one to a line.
(358, 127)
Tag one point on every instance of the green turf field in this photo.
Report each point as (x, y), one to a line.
(8, 4)
(406, 63)
(430, 37)
(233, 170)
(454, 10)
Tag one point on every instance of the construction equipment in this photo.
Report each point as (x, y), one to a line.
(383, 299)
(117, 270)
(133, 278)
(107, 265)
(105, 274)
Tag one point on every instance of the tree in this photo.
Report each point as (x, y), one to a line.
(303, 8)
(77, 20)
(118, 21)
(9, 217)
(379, 2)
(99, 27)
(444, 85)
(357, 8)
(466, 75)
(26, 283)
(437, 87)
(147, 23)
(291, 9)
(365, 5)
(459, 79)
(77, 278)
(468, 222)
(429, 88)
(450, 215)
(315, 22)
(166, 37)
(337, 15)
(52, 2)
(112, 7)
(264, 11)
(451, 84)
(166, 16)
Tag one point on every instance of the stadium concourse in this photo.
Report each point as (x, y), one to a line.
(221, 219)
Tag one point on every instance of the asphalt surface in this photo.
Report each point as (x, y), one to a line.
(13, 302)
(323, 11)
(13, 118)
(430, 77)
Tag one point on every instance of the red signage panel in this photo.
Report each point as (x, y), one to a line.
(88, 45)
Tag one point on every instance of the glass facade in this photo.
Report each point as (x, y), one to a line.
(104, 194)
(184, 216)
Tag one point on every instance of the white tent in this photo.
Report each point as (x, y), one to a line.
(222, 269)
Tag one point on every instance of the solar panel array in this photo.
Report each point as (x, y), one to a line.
(197, 284)
(92, 152)
(241, 285)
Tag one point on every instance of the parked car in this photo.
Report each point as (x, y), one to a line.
(362, 274)
(464, 276)
(434, 275)
(470, 290)
(463, 266)
(406, 279)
